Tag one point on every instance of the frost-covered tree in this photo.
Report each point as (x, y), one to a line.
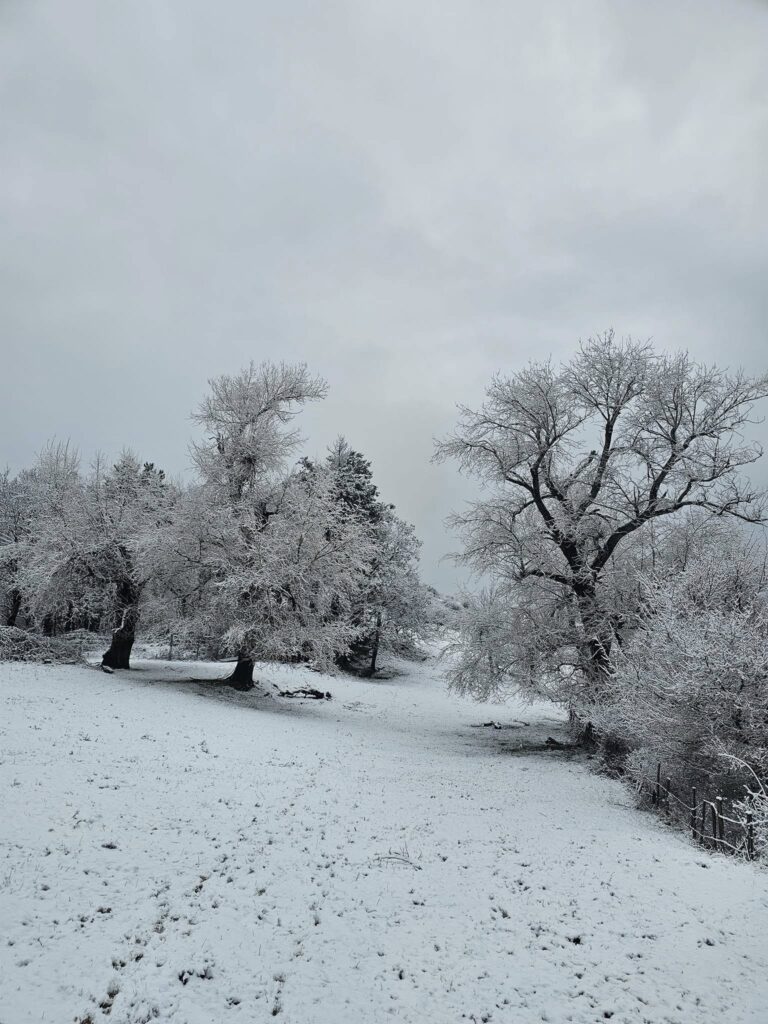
(507, 642)
(16, 511)
(55, 485)
(353, 481)
(187, 556)
(580, 461)
(89, 560)
(390, 608)
(274, 581)
(245, 418)
(244, 484)
(288, 583)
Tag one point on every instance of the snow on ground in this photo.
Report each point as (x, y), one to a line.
(180, 852)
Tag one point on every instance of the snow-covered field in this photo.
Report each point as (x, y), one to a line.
(177, 852)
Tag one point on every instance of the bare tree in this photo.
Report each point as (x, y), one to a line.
(579, 458)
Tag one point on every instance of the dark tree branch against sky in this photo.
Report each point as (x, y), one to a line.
(406, 196)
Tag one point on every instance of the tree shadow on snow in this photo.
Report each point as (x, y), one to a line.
(521, 739)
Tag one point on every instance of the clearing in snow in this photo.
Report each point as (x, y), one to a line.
(181, 852)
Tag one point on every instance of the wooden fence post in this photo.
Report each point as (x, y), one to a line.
(170, 651)
(720, 821)
(693, 812)
(714, 823)
(668, 790)
(750, 837)
(657, 794)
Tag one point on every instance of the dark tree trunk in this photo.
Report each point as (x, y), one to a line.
(599, 662)
(242, 676)
(375, 648)
(128, 594)
(596, 651)
(14, 607)
(119, 653)
(595, 657)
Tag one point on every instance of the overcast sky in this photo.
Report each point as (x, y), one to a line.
(406, 195)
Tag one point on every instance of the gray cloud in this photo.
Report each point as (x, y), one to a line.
(407, 196)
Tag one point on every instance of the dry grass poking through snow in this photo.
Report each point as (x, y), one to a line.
(177, 853)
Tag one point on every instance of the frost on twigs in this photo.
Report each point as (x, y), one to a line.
(21, 645)
(584, 466)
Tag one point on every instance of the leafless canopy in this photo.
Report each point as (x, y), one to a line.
(577, 458)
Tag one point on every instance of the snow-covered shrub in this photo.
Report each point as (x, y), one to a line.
(21, 645)
(514, 639)
(689, 687)
(444, 611)
(755, 807)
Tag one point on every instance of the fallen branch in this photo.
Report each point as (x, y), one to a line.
(498, 725)
(399, 858)
(306, 691)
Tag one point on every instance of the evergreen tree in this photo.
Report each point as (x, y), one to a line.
(389, 608)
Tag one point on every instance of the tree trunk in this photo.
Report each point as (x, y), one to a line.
(599, 659)
(128, 594)
(375, 647)
(596, 649)
(595, 658)
(119, 653)
(242, 676)
(14, 607)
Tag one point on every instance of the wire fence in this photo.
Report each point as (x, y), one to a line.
(706, 819)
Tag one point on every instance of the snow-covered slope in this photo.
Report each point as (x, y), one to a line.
(180, 853)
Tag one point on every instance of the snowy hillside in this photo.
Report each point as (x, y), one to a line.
(177, 852)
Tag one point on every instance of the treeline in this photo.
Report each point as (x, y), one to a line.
(260, 557)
